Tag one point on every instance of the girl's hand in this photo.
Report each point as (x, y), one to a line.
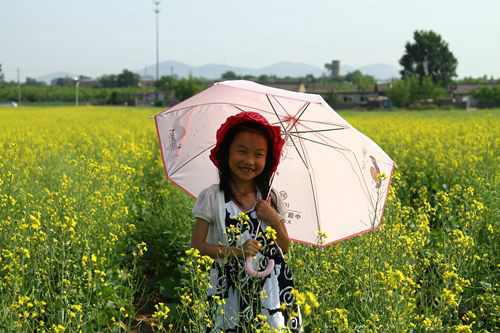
(251, 248)
(267, 213)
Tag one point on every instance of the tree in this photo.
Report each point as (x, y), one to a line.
(62, 81)
(34, 82)
(263, 78)
(249, 77)
(473, 80)
(409, 91)
(400, 93)
(364, 82)
(127, 79)
(165, 84)
(179, 89)
(427, 89)
(309, 78)
(429, 56)
(487, 96)
(229, 75)
(185, 88)
(108, 81)
(1, 74)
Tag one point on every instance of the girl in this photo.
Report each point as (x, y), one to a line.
(233, 222)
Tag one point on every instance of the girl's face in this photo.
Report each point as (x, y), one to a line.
(247, 155)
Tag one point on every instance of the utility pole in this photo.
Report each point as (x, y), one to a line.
(77, 84)
(18, 87)
(157, 11)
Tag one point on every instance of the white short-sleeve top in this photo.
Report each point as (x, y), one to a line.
(210, 206)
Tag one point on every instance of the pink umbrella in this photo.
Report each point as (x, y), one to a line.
(330, 174)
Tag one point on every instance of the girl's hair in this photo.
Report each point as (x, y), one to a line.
(261, 181)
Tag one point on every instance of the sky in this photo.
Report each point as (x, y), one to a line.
(95, 37)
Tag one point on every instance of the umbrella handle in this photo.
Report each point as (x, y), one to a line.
(264, 273)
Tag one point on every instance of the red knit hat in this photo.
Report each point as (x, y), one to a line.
(274, 133)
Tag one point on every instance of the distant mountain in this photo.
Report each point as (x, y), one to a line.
(51, 76)
(214, 71)
(380, 71)
(292, 69)
(345, 69)
(281, 69)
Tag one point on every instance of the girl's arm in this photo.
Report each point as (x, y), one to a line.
(268, 214)
(198, 241)
(281, 235)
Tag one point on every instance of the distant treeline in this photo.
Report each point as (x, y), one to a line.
(127, 89)
(67, 94)
(403, 93)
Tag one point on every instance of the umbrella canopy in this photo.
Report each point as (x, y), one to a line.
(329, 174)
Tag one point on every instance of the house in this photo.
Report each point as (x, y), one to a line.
(379, 102)
(292, 86)
(149, 98)
(352, 99)
(350, 96)
(147, 81)
(463, 92)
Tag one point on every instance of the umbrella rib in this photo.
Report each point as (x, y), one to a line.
(313, 184)
(237, 106)
(214, 103)
(276, 113)
(294, 126)
(302, 108)
(303, 153)
(274, 97)
(192, 158)
(325, 138)
(323, 122)
(316, 131)
(277, 116)
(298, 152)
(363, 180)
(318, 142)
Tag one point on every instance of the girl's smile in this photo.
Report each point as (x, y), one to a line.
(247, 156)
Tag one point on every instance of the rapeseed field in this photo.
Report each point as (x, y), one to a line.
(92, 239)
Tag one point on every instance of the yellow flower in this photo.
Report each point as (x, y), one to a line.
(76, 307)
(463, 328)
(58, 328)
(449, 297)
